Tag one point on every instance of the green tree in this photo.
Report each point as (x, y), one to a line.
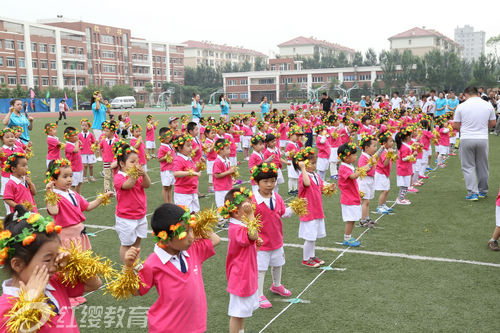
(342, 60)
(259, 64)
(246, 66)
(371, 57)
(494, 42)
(148, 86)
(18, 92)
(358, 59)
(483, 71)
(4, 91)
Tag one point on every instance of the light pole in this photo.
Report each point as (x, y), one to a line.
(76, 86)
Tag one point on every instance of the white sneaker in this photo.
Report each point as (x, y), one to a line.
(403, 202)
(99, 159)
(382, 210)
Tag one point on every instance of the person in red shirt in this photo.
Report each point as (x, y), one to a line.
(88, 158)
(19, 190)
(223, 171)
(72, 151)
(383, 171)
(53, 144)
(166, 156)
(186, 174)
(404, 168)
(368, 144)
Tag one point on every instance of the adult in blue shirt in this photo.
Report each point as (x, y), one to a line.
(15, 118)
(225, 105)
(441, 105)
(452, 102)
(197, 108)
(264, 106)
(99, 111)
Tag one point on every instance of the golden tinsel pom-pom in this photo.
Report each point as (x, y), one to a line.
(200, 166)
(148, 157)
(62, 145)
(29, 313)
(168, 158)
(132, 172)
(362, 172)
(412, 159)
(29, 154)
(254, 224)
(125, 284)
(391, 156)
(236, 173)
(94, 147)
(373, 160)
(84, 265)
(328, 191)
(299, 206)
(361, 194)
(2, 154)
(52, 198)
(27, 205)
(193, 152)
(206, 220)
(105, 200)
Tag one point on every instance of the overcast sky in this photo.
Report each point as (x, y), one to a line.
(263, 24)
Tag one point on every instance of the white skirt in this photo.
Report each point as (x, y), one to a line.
(88, 159)
(382, 182)
(367, 185)
(312, 230)
(4, 182)
(280, 179)
(497, 215)
(77, 178)
(167, 178)
(351, 213)
(283, 143)
(245, 141)
(243, 307)
(322, 164)
(150, 145)
(444, 150)
(233, 161)
(219, 198)
(292, 173)
(334, 158)
(129, 230)
(273, 258)
(404, 181)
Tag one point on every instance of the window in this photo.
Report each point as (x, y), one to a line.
(301, 79)
(12, 80)
(53, 79)
(243, 82)
(1, 61)
(231, 82)
(109, 69)
(20, 45)
(164, 59)
(45, 81)
(1, 47)
(365, 77)
(33, 47)
(2, 79)
(34, 63)
(158, 84)
(43, 48)
(287, 80)
(380, 77)
(266, 81)
(22, 80)
(80, 50)
(134, 56)
(9, 44)
(71, 50)
(110, 83)
(81, 81)
(64, 49)
(158, 71)
(11, 62)
(80, 66)
(139, 56)
(53, 65)
(273, 67)
(409, 41)
(108, 54)
(21, 63)
(244, 95)
(107, 39)
(348, 78)
(43, 64)
(317, 79)
(35, 81)
(145, 57)
(52, 48)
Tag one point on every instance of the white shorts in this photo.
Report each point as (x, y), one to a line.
(77, 178)
(243, 307)
(219, 198)
(403, 181)
(283, 143)
(453, 140)
(233, 161)
(416, 166)
(4, 182)
(273, 258)
(150, 145)
(97, 133)
(291, 172)
(280, 179)
(382, 182)
(367, 185)
(351, 213)
(427, 153)
(88, 159)
(245, 141)
(444, 150)
(497, 215)
(210, 167)
(129, 230)
(334, 158)
(323, 164)
(167, 178)
(188, 200)
(312, 230)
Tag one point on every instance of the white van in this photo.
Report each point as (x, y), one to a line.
(124, 102)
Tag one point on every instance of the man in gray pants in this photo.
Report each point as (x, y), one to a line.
(473, 118)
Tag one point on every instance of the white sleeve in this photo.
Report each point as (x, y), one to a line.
(288, 212)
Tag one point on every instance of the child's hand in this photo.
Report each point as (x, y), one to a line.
(247, 209)
(36, 283)
(259, 242)
(232, 169)
(140, 171)
(390, 150)
(333, 186)
(62, 259)
(131, 256)
(301, 165)
(109, 194)
(49, 186)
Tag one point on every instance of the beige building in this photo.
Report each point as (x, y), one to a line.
(420, 41)
(307, 47)
(214, 55)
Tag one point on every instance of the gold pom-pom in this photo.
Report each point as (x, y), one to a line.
(200, 166)
(52, 198)
(299, 206)
(328, 191)
(29, 154)
(391, 156)
(206, 220)
(254, 224)
(236, 173)
(335, 135)
(132, 172)
(94, 147)
(168, 158)
(361, 194)
(2, 154)
(27, 205)
(193, 152)
(105, 200)
(362, 172)
(412, 159)
(124, 284)
(373, 160)
(62, 145)
(29, 312)
(84, 265)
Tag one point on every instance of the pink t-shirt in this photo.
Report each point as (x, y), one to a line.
(7, 151)
(404, 168)
(64, 322)
(444, 136)
(271, 232)
(131, 203)
(18, 191)
(53, 151)
(426, 139)
(344, 136)
(20, 144)
(198, 149)
(162, 151)
(313, 194)
(498, 199)
(291, 149)
(225, 183)
(349, 190)
(106, 146)
(236, 133)
(74, 158)
(211, 155)
(324, 150)
(141, 152)
(381, 168)
(255, 159)
(87, 139)
(247, 130)
(232, 144)
(189, 184)
(241, 261)
(69, 213)
(268, 152)
(150, 132)
(363, 160)
(283, 130)
(181, 301)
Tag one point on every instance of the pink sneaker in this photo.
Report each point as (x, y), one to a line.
(281, 290)
(403, 202)
(412, 189)
(264, 303)
(423, 177)
(442, 166)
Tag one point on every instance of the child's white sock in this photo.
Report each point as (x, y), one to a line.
(440, 159)
(308, 249)
(347, 237)
(333, 169)
(322, 174)
(262, 277)
(276, 274)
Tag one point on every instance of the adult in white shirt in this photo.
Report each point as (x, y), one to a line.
(430, 109)
(63, 107)
(411, 100)
(473, 118)
(395, 101)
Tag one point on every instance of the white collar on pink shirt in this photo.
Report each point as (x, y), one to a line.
(313, 175)
(272, 151)
(347, 165)
(16, 180)
(65, 194)
(259, 154)
(407, 145)
(238, 222)
(368, 156)
(260, 199)
(187, 158)
(53, 137)
(224, 160)
(7, 147)
(10, 290)
(165, 256)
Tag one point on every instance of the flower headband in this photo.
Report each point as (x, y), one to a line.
(351, 149)
(383, 137)
(209, 128)
(220, 145)
(124, 149)
(149, 116)
(55, 169)
(49, 127)
(264, 167)
(260, 124)
(36, 222)
(304, 154)
(366, 138)
(354, 126)
(168, 134)
(320, 128)
(18, 129)
(110, 126)
(136, 127)
(178, 230)
(232, 206)
(227, 126)
(70, 133)
(8, 163)
(295, 130)
(181, 140)
(85, 120)
(406, 130)
(256, 138)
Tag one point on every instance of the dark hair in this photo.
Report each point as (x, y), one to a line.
(164, 216)
(366, 143)
(324, 93)
(396, 92)
(433, 91)
(15, 162)
(365, 118)
(47, 125)
(425, 124)
(219, 142)
(69, 129)
(194, 94)
(383, 138)
(295, 164)
(230, 196)
(252, 113)
(124, 157)
(343, 149)
(190, 126)
(400, 136)
(265, 175)
(13, 101)
(163, 130)
(220, 97)
(269, 137)
(55, 175)
(16, 226)
(120, 118)
(471, 90)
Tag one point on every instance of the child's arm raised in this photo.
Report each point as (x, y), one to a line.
(52, 209)
(146, 181)
(214, 238)
(305, 177)
(248, 211)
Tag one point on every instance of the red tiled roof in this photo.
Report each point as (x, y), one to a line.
(420, 32)
(193, 44)
(301, 40)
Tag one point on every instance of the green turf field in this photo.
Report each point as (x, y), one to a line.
(424, 268)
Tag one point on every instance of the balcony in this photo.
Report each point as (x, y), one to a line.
(145, 76)
(137, 62)
(74, 57)
(72, 71)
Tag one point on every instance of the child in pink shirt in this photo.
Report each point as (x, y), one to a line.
(404, 167)
(175, 270)
(33, 263)
(131, 204)
(334, 140)
(72, 151)
(366, 184)
(324, 150)
(8, 148)
(230, 136)
(208, 147)
(444, 141)
(19, 190)
(53, 144)
(493, 242)
(247, 135)
(383, 171)
(257, 156)
(186, 174)
(241, 260)
(271, 207)
(166, 156)
(138, 144)
(88, 158)
(150, 135)
(278, 160)
(106, 147)
(312, 225)
(223, 171)
(425, 140)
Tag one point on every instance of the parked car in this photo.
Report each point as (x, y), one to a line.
(124, 102)
(84, 106)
